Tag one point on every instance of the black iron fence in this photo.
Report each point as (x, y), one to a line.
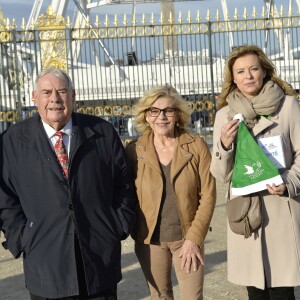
(112, 63)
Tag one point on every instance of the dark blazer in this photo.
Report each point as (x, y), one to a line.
(40, 212)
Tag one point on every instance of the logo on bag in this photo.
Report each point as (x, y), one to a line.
(250, 170)
(255, 170)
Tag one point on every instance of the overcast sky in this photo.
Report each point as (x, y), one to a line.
(21, 8)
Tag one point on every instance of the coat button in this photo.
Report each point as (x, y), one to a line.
(217, 154)
(70, 206)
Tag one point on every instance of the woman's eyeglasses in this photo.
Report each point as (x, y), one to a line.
(168, 111)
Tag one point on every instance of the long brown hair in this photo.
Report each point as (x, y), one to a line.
(228, 84)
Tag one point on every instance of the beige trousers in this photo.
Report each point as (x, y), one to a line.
(156, 262)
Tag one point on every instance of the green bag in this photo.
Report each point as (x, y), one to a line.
(252, 168)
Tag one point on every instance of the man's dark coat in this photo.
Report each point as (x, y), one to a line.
(40, 212)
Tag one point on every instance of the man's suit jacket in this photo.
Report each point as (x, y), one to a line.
(40, 212)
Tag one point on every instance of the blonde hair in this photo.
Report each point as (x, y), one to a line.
(228, 84)
(140, 109)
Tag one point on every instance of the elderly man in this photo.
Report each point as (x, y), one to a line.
(66, 198)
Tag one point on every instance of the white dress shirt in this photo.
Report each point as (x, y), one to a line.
(52, 137)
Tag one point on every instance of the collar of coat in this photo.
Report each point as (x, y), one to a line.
(146, 152)
(32, 135)
(265, 122)
(146, 140)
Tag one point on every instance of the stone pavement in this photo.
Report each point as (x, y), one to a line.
(133, 286)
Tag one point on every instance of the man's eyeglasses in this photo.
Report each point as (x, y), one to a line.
(168, 111)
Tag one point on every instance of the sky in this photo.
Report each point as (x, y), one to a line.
(19, 9)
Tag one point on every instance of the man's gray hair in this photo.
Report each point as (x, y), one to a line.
(57, 73)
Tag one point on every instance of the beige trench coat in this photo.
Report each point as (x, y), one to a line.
(275, 249)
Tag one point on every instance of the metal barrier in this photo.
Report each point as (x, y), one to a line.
(189, 54)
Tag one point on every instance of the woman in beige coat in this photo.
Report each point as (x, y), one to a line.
(268, 262)
(176, 194)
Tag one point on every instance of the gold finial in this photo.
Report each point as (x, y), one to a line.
(272, 11)
(116, 22)
(32, 25)
(281, 11)
(198, 18)
(180, 19)
(68, 24)
(245, 15)
(49, 19)
(106, 22)
(23, 26)
(88, 23)
(226, 16)
(263, 12)
(50, 11)
(7, 23)
(208, 18)
(171, 19)
(4, 23)
(189, 18)
(290, 13)
(218, 15)
(125, 22)
(134, 22)
(152, 20)
(236, 15)
(97, 23)
(161, 18)
(144, 21)
(254, 13)
(1, 18)
(14, 24)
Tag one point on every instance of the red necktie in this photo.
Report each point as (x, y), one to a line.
(61, 154)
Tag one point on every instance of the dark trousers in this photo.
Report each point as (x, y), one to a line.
(278, 293)
(109, 294)
(34, 297)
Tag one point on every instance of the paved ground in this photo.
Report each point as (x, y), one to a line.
(133, 286)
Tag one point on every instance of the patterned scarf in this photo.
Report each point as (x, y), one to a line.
(264, 104)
